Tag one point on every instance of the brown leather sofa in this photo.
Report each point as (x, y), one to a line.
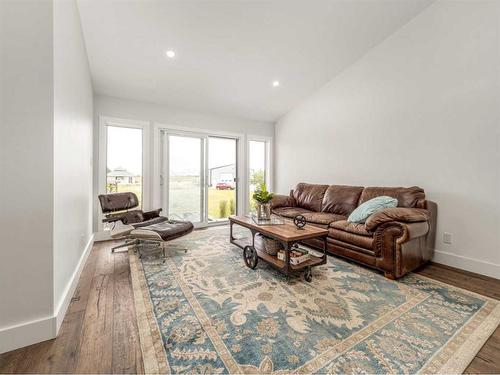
(394, 240)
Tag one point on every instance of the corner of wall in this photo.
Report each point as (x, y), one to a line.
(70, 288)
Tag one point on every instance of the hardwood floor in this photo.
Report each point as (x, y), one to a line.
(487, 361)
(99, 333)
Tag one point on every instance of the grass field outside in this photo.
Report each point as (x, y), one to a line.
(218, 210)
(184, 202)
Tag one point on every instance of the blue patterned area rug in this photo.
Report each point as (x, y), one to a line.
(206, 312)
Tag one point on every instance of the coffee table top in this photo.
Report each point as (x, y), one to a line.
(286, 232)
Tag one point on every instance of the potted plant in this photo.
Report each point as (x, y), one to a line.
(262, 197)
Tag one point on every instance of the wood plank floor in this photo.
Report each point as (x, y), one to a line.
(99, 333)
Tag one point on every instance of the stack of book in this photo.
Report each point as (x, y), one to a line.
(312, 252)
(297, 256)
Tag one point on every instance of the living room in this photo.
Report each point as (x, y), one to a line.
(250, 187)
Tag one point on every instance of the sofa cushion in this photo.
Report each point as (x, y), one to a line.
(354, 228)
(365, 210)
(282, 201)
(166, 230)
(407, 197)
(324, 218)
(341, 200)
(289, 212)
(366, 242)
(309, 196)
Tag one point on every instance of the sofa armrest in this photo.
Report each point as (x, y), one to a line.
(400, 247)
(282, 201)
(400, 214)
(396, 232)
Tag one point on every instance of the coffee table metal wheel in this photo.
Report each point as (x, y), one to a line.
(308, 275)
(250, 257)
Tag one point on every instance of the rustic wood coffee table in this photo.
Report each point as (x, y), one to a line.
(288, 234)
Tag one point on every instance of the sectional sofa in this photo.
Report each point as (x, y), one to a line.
(394, 240)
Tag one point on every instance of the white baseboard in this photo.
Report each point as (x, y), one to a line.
(468, 264)
(60, 311)
(29, 333)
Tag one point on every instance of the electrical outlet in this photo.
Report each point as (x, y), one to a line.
(447, 237)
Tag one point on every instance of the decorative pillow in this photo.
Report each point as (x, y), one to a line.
(364, 210)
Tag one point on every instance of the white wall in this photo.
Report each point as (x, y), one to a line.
(155, 113)
(134, 110)
(26, 173)
(46, 166)
(73, 126)
(422, 108)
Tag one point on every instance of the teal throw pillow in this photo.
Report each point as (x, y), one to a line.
(364, 210)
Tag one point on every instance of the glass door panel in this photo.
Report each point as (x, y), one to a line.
(185, 188)
(124, 160)
(221, 178)
(257, 174)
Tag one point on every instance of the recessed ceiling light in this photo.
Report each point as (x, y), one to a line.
(170, 54)
(276, 83)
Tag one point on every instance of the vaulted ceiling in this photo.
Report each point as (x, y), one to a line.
(228, 53)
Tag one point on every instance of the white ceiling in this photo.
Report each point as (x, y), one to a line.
(229, 52)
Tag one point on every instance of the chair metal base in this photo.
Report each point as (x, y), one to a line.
(139, 245)
(126, 244)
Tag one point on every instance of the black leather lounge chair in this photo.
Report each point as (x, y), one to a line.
(140, 229)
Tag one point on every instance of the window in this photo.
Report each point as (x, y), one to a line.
(258, 167)
(124, 160)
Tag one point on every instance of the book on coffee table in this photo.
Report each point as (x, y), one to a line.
(297, 256)
(310, 250)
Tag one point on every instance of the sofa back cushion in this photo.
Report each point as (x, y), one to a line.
(340, 199)
(407, 197)
(309, 196)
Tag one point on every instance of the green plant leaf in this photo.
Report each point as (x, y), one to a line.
(261, 194)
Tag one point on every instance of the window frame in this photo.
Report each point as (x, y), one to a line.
(269, 160)
(104, 122)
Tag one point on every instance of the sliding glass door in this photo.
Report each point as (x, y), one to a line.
(200, 177)
(185, 193)
(221, 178)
